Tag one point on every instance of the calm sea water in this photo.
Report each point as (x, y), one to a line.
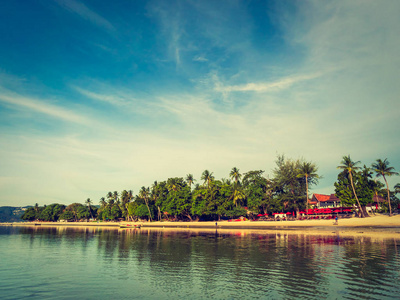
(101, 263)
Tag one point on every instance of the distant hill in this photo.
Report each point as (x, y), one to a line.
(11, 214)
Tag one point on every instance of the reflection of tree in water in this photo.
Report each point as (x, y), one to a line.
(291, 268)
(169, 256)
(107, 243)
(157, 257)
(265, 264)
(368, 264)
(226, 264)
(278, 265)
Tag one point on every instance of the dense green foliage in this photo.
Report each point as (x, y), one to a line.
(11, 214)
(180, 198)
(383, 170)
(355, 185)
(246, 195)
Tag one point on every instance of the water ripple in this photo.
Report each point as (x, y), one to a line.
(107, 264)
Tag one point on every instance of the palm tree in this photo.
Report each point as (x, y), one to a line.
(308, 170)
(382, 168)
(377, 188)
(397, 188)
(237, 193)
(234, 174)
(144, 193)
(88, 202)
(155, 195)
(207, 176)
(130, 197)
(173, 185)
(125, 199)
(350, 166)
(103, 202)
(115, 196)
(237, 196)
(190, 179)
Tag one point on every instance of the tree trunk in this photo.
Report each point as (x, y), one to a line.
(90, 210)
(377, 199)
(355, 195)
(148, 208)
(159, 213)
(127, 212)
(388, 196)
(364, 211)
(306, 193)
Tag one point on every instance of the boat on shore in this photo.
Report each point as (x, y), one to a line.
(130, 226)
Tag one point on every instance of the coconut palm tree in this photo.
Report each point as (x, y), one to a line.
(124, 202)
(234, 174)
(190, 179)
(88, 202)
(207, 176)
(144, 193)
(397, 188)
(350, 166)
(173, 185)
(237, 193)
(237, 196)
(116, 198)
(308, 170)
(155, 195)
(382, 168)
(103, 202)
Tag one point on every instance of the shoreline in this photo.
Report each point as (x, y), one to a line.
(380, 222)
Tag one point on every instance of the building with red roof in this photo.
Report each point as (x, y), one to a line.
(320, 200)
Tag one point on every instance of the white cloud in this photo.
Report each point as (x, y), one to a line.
(283, 83)
(83, 11)
(200, 58)
(111, 99)
(42, 107)
(342, 98)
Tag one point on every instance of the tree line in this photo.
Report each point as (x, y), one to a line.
(241, 194)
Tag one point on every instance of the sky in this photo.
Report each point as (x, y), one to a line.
(99, 96)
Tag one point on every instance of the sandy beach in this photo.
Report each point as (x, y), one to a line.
(377, 227)
(372, 223)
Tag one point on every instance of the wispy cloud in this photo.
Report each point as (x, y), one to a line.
(118, 100)
(171, 28)
(42, 107)
(326, 86)
(83, 11)
(200, 58)
(281, 84)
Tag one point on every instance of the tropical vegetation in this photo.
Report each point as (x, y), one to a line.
(245, 194)
(356, 186)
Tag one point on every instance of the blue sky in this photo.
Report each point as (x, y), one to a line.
(97, 96)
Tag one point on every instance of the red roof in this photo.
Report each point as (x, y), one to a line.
(375, 198)
(320, 197)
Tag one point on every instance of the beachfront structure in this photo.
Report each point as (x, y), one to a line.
(331, 201)
(325, 201)
(376, 203)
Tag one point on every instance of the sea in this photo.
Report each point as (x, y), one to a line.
(108, 263)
